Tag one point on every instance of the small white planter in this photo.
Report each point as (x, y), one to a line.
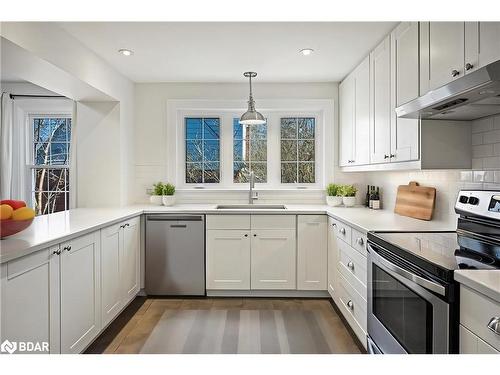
(349, 201)
(156, 199)
(168, 200)
(333, 201)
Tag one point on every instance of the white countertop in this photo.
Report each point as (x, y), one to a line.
(486, 282)
(49, 230)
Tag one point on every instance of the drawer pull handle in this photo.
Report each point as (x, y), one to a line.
(351, 265)
(342, 230)
(350, 305)
(56, 252)
(360, 241)
(68, 248)
(455, 73)
(494, 325)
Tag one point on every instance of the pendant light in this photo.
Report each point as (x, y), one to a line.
(251, 116)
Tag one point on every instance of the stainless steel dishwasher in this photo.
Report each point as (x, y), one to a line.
(175, 255)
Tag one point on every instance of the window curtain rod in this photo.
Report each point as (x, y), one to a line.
(14, 96)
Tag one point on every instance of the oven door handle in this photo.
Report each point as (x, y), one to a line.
(431, 285)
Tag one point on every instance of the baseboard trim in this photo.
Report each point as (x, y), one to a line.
(269, 293)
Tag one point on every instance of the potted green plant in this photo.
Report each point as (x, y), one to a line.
(157, 193)
(333, 196)
(168, 194)
(349, 195)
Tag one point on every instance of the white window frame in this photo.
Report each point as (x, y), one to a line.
(30, 165)
(273, 110)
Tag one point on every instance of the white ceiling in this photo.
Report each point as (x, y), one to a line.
(221, 52)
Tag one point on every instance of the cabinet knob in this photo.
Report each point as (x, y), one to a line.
(386, 156)
(68, 248)
(469, 66)
(351, 265)
(342, 230)
(56, 252)
(255, 235)
(494, 325)
(393, 156)
(360, 241)
(246, 235)
(334, 224)
(350, 305)
(454, 73)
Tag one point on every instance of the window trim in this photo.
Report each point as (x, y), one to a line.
(321, 109)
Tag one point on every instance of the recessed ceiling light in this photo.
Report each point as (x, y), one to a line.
(306, 51)
(125, 52)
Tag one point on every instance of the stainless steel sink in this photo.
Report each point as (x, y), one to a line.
(250, 207)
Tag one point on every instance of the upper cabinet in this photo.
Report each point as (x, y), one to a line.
(482, 44)
(354, 107)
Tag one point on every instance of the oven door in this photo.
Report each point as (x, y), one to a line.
(404, 316)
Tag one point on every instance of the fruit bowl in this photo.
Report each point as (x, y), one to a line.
(9, 227)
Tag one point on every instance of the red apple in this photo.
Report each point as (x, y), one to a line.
(13, 203)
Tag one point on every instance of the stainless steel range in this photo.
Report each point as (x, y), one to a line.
(412, 296)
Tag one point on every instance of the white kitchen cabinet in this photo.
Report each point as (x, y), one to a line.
(472, 344)
(228, 259)
(29, 308)
(332, 258)
(111, 287)
(446, 52)
(130, 259)
(80, 292)
(273, 259)
(380, 103)
(354, 99)
(482, 44)
(312, 252)
(405, 81)
(347, 117)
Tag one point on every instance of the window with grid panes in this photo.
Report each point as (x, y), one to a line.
(297, 150)
(202, 137)
(50, 164)
(249, 152)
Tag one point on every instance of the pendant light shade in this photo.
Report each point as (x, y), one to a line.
(251, 116)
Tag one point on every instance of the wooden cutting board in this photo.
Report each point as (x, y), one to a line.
(415, 201)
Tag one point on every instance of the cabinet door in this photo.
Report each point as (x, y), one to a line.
(446, 52)
(29, 307)
(347, 105)
(380, 127)
(130, 259)
(312, 252)
(273, 259)
(332, 258)
(404, 88)
(362, 113)
(472, 344)
(111, 290)
(228, 259)
(482, 44)
(80, 292)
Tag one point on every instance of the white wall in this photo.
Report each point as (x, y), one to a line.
(152, 153)
(55, 58)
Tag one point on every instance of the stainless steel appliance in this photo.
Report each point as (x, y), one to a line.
(475, 95)
(175, 255)
(412, 296)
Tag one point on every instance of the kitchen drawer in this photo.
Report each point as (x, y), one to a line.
(358, 241)
(228, 222)
(472, 344)
(352, 265)
(476, 311)
(343, 231)
(353, 306)
(273, 221)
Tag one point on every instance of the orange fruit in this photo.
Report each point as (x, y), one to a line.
(23, 213)
(5, 211)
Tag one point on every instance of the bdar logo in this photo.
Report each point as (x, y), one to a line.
(8, 347)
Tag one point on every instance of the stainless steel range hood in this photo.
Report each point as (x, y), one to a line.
(470, 97)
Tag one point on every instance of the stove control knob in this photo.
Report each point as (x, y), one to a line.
(463, 199)
(474, 201)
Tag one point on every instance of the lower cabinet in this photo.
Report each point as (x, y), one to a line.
(228, 259)
(80, 292)
(273, 257)
(29, 299)
(312, 252)
(473, 344)
(332, 258)
(66, 294)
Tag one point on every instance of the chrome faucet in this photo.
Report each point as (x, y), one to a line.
(251, 195)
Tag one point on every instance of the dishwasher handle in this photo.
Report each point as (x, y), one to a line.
(174, 218)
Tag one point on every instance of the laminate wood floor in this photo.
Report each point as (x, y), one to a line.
(227, 325)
